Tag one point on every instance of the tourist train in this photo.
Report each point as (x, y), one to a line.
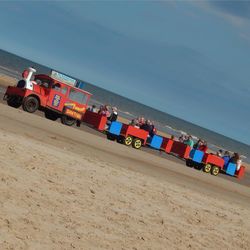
(59, 96)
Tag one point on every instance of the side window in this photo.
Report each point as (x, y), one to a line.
(57, 87)
(78, 96)
(64, 90)
(43, 82)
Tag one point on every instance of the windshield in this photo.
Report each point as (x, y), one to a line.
(78, 96)
(43, 82)
(62, 89)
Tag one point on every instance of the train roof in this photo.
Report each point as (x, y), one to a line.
(54, 80)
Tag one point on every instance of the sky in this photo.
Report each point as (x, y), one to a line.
(190, 59)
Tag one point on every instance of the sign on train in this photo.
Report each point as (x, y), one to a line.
(62, 78)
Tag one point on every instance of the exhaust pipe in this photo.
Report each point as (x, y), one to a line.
(27, 74)
(31, 72)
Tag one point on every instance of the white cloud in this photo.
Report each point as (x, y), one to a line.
(233, 19)
(240, 23)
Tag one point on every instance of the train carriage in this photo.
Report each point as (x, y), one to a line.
(134, 136)
(127, 134)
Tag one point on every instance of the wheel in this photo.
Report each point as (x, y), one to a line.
(207, 168)
(128, 140)
(14, 102)
(66, 120)
(30, 104)
(137, 143)
(189, 163)
(198, 166)
(120, 139)
(110, 137)
(215, 170)
(51, 115)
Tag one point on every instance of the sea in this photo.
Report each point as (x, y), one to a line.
(13, 65)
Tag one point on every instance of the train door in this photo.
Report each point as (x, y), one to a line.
(57, 96)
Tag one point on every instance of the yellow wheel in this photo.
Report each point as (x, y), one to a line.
(128, 140)
(215, 170)
(207, 168)
(137, 143)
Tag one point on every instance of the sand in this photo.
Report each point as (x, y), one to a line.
(63, 188)
(7, 80)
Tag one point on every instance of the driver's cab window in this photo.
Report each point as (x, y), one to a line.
(59, 88)
(43, 82)
(56, 87)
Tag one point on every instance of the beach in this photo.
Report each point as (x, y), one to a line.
(125, 125)
(63, 188)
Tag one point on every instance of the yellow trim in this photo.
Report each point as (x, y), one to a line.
(74, 107)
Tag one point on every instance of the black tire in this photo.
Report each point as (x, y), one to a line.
(111, 137)
(198, 166)
(120, 139)
(30, 104)
(14, 102)
(189, 163)
(137, 143)
(51, 115)
(66, 120)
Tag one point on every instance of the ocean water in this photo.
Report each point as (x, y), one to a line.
(13, 65)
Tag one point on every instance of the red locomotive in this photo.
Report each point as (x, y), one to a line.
(56, 95)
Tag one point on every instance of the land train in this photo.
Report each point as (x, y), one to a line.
(58, 96)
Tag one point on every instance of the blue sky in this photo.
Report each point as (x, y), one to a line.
(188, 58)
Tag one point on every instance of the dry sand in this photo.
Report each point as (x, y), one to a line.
(62, 188)
(7, 80)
